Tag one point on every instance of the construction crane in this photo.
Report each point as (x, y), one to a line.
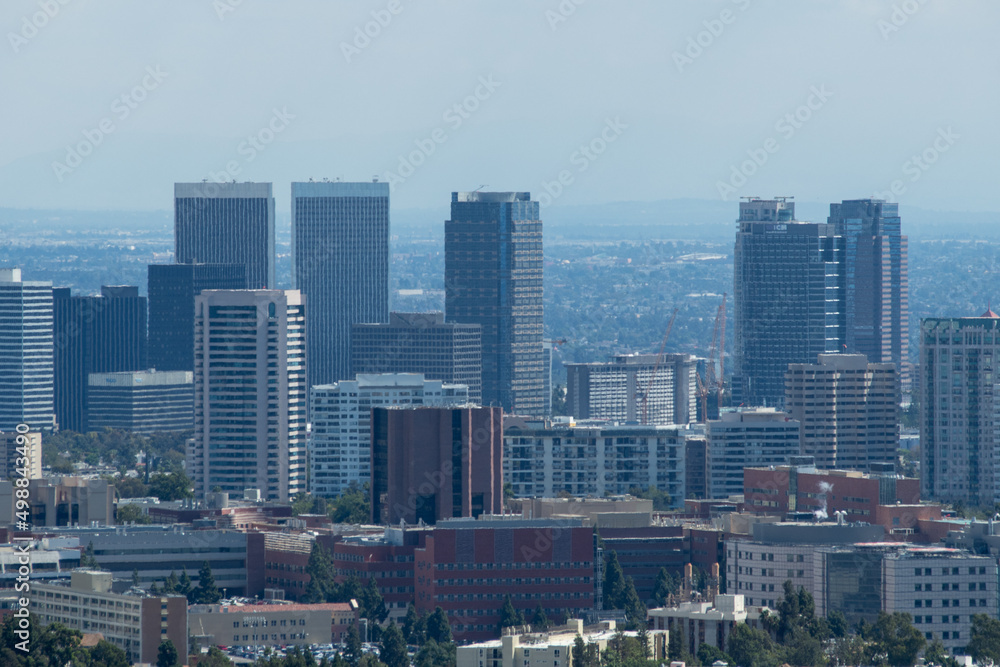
(656, 367)
(711, 381)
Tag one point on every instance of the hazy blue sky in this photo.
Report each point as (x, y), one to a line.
(890, 86)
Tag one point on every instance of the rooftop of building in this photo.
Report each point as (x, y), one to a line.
(387, 380)
(147, 378)
(234, 607)
(491, 197)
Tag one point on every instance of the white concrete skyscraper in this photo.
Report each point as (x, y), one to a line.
(26, 367)
(340, 263)
(250, 393)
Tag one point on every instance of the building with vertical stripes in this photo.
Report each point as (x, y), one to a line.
(340, 264)
(789, 297)
(226, 223)
(26, 369)
(141, 401)
(493, 278)
(94, 334)
(250, 393)
(172, 289)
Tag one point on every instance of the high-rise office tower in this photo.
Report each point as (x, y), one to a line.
(875, 279)
(340, 263)
(172, 289)
(847, 408)
(788, 286)
(431, 463)
(420, 343)
(250, 393)
(226, 223)
(26, 367)
(493, 278)
(959, 409)
(94, 334)
(340, 414)
(141, 401)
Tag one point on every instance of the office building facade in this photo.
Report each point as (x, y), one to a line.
(340, 250)
(21, 455)
(745, 439)
(102, 334)
(432, 463)
(593, 460)
(26, 365)
(847, 408)
(172, 289)
(226, 223)
(876, 284)
(142, 401)
(420, 343)
(340, 414)
(789, 301)
(959, 407)
(634, 388)
(250, 393)
(493, 278)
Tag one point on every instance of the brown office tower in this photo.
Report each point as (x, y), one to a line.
(436, 463)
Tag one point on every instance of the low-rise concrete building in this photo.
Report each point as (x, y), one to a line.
(548, 649)
(706, 622)
(62, 501)
(134, 622)
(271, 624)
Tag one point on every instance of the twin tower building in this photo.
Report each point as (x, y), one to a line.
(256, 351)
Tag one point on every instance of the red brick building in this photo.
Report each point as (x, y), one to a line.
(432, 463)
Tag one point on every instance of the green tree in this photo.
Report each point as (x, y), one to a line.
(87, 559)
(984, 640)
(438, 627)
(135, 577)
(635, 610)
(750, 647)
(676, 648)
(130, 487)
(106, 654)
(414, 626)
(539, 621)
(849, 650)
(215, 658)
(509, 617)
(206, 592)
(352, 646)
(664, 587)
(166, 654)
(937, 654)
(895, 640)
(393, 648)
(171, 486)
(322, 587)
(170, 584)
(838, 623)
(435, 654)
(708, 654)
(352, 506)
(372, 604)
(558, 400)
(614, 583)
(661, 499)
(184, 586)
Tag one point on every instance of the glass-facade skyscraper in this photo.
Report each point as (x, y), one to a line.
(875, 279)
(226, 223)
(789, 297)
(340, 264)
(493, 278)
(25, 353)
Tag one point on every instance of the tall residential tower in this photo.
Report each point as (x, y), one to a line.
(493, 278)
(26, 368)
(340, 249)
